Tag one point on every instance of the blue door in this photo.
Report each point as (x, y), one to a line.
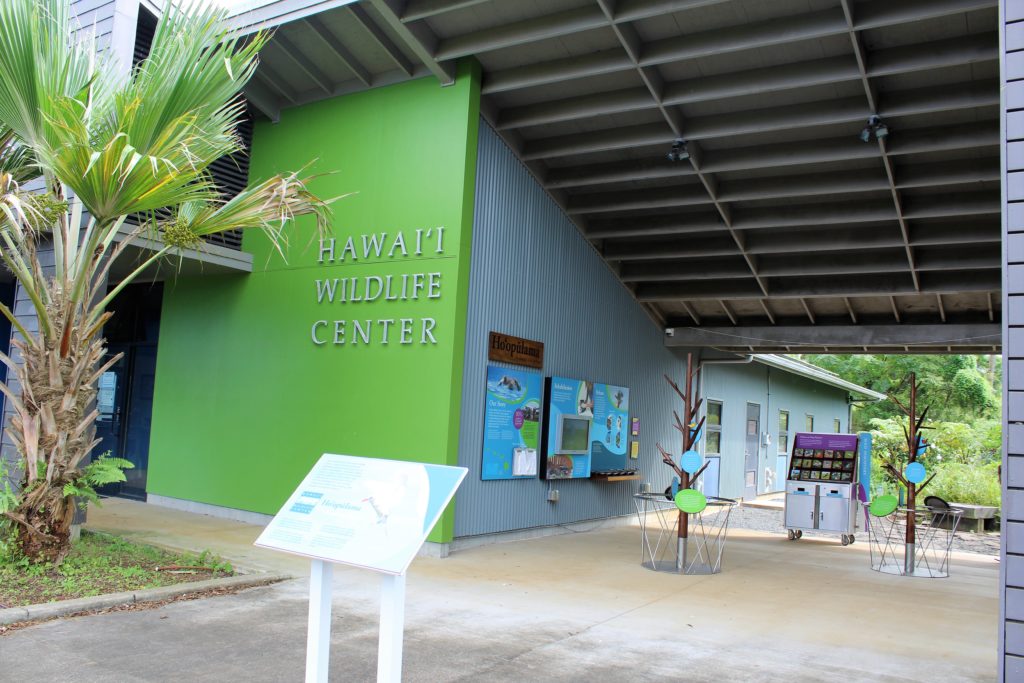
(125, 392)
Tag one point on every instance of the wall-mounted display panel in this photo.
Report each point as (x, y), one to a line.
(511, 424)
(587, 428)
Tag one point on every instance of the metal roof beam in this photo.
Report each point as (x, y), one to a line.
(521, 32)
(685, 270)
(728, 311)
(598, 104)
(886, 13)
(717, 245)
(849, 309)
(559, 24)
(842, 239)
(418, 37)
(263, 100)
(757, 81)
(383, 42)
(981, 47)
(416, 10)
(269, 77)
(601, 202)
(836, 335)
(695, 46)
(307, 67)
(649, 226)
(976, 136)
(808, 311)
(595, 174)
(691, 312)
(921, 101)
(822, 287)
(717, 41)
(745, 37)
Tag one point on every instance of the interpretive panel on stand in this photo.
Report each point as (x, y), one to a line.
(363, 512)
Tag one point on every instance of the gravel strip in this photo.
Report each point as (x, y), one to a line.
(762, 519)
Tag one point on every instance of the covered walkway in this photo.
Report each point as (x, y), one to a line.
(564, 608)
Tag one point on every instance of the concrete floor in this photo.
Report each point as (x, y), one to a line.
(566, 608)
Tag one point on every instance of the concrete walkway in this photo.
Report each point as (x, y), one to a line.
(576, 607)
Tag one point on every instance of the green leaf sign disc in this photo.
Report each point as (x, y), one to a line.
(691, 501)
(884, 505)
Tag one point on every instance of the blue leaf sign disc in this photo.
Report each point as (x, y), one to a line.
(914, 473)
(690, 462)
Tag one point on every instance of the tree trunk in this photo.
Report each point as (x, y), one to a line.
(44, 534)
(53, 427)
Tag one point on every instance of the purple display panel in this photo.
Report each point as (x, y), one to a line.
(835, 442)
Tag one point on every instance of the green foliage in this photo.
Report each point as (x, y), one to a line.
(955, 388)
(100, 472)
(963, 457)
(967, 483)
(98, 564)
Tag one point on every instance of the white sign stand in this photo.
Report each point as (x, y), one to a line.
(318, 635)
(368, 513)
(392, 627)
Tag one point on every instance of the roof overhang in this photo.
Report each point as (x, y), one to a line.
(817, 374)
(777, 217)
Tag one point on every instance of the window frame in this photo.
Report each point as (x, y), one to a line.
(808, 422)
(837, 425)
(710, 428)
(783, 436)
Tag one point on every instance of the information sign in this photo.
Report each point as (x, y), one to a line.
(511, 424)
(363, 512)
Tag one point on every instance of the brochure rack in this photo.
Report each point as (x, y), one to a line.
(820, 493)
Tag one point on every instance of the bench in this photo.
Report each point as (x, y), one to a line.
(974, 516)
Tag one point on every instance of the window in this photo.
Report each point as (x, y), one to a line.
(783, 431)
(836, 426)
(713, 427)
(809, 424)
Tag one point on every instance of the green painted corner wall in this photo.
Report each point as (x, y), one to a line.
(251, 388)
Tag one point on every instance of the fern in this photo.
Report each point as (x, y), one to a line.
(100, 472)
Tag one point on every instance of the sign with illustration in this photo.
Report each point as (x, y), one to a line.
(586, 428)
(363, 512)
(610, 435)
(511, 424)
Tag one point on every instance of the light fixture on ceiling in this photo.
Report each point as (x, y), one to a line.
(678, 151)
(876, 126)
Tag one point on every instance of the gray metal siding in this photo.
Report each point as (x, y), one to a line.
(533, 275)
(95, 15)
(1011, 633)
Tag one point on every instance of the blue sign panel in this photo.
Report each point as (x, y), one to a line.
(864, 460)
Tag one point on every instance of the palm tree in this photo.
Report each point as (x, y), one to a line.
(91, 157)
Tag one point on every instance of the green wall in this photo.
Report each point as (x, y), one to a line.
(245, 399)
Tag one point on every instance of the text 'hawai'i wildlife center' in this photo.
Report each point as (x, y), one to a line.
(364, 289)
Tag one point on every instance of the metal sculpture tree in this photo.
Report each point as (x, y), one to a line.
(909, 476)
(689, 429)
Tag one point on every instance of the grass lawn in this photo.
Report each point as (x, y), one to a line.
(103, 564)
